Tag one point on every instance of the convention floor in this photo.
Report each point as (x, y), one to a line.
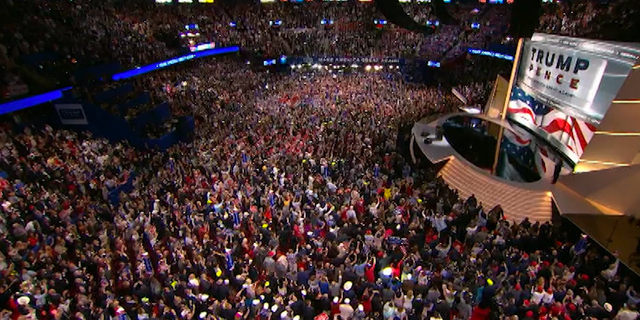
(615, 233)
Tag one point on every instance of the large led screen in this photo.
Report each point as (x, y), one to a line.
(564, 87)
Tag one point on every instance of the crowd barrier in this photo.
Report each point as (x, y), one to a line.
(36, 59)
(140, 99)
(98, 71)
(189, 124)
(156, 116)
(100, 122)
(186, 126)
(505, 49)
(165, 142)
(111, 94)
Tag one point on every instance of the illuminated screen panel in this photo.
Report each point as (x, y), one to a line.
(568, 134)
(564, 87)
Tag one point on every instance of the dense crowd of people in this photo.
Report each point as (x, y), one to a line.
(295, 197)
(612, 20)
(42, 42)
(292, 201)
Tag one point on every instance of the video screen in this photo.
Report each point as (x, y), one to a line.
(564, 86)
(568, 134)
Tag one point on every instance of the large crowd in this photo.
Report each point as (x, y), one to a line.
(43, 42)
(292, 201)
(611, 20)
(295, 197)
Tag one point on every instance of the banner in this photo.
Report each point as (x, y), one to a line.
(71, 114)
(490, 54)
(579, 76)
(363, 60)
(563, 76)
(564, 87)
(346, 60)
(166, 63)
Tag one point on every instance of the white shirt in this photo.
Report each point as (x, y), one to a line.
(439, 223)
(626, 314)
(346, 311)
(536, 297)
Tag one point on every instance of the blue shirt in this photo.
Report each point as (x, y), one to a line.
(324, 287)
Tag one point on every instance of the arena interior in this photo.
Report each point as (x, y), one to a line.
(237, 159)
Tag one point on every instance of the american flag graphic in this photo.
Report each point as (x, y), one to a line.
(520, 150)
(517, 137)
(573, 133)
(520, 146)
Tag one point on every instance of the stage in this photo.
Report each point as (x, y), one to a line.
(499, 163)
(574, 126)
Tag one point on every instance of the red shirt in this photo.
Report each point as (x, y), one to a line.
(335, 308)
(366, 304)
(480, 314)
(369, 273)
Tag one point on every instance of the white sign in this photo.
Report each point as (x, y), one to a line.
(560, 75)
(71, 114)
